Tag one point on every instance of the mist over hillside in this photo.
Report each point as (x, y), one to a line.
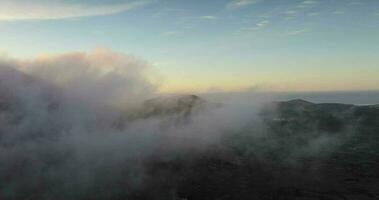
(189, 100)
(91, 126)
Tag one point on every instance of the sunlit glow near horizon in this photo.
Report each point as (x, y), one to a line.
(202, 46)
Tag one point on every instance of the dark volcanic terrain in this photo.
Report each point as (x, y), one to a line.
(51, 150)
(310, 151)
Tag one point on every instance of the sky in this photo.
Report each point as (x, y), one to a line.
(211, 45)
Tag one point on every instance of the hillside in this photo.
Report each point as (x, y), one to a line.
(311, 151)
(294, 150)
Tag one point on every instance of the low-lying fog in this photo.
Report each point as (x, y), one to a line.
(74, 126)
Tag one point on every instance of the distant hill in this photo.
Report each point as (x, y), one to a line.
(296, 150)
(175, 109)
(182, 104)
(310, 151)
(330, 117)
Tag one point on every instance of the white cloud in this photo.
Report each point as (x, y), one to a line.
(290, 12)
(99, 76)
(296, 32)
(209, 17)
(13, 10)
(241, 3)
(263, 23)
(309, 2)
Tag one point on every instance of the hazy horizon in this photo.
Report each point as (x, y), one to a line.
(189, 99)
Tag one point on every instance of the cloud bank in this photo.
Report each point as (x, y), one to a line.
(59, 132)
(88, 126)
(14, 10)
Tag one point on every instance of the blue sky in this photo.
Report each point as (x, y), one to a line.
(201, 45)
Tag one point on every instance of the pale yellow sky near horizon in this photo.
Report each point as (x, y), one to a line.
(203, 46)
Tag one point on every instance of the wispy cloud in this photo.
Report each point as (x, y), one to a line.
(339, 12)
(312, 14)
(13, 10)
(169, 11)
(290, 12)
(356, 3)
(209, 17)
(170, 33)
(259, 25)
(309, 2)
(296, 32)
(263, 23)
(241, 3)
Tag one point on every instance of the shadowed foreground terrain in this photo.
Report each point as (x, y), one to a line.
(57, 147)
(289, 163)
